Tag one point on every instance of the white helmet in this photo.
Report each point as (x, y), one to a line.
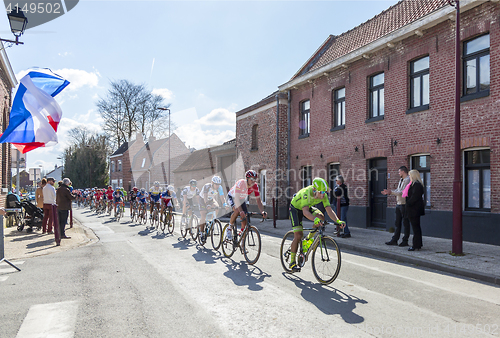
(216, 180)
(170, 188)
(157, 184)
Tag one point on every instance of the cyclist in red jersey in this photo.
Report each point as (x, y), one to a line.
(237, 195)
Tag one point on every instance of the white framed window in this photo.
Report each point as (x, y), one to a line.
(119, 165)
(477, 177)
(306, 176)
(112, 166)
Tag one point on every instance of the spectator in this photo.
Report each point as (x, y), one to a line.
(50, 210)
(341, 193)
(39, 193)
(415, 208)
(400, 209)
(64, 199)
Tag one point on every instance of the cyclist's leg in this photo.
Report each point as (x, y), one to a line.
(244, 221)
(296, 219)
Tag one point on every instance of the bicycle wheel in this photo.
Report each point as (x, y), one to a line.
(19, 219)
(184, 226)
(252, 245)
(216, 234)
(286, 250)
(228, 247)
(170, 222)
(144, 215)
(202, 235)
(194, 228)
(326, 260)
(162, 223)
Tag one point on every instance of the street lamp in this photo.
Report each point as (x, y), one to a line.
(169, 141)
(90, 163)
(18, 22)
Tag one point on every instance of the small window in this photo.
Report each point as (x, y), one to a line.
(119, 165)
(333, 172)
(304, 122)
(112, 166)
(419, 83)
(476, 67)
(255, 135)
(377, 95)
(477, 180)
(339, 108)
(306, 176)
(423, 165)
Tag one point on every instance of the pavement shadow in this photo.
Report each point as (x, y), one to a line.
(145, 232)
(243, 274)
(159, 235)
(206, 255)
(46, 242)
(20, 236)
(183, 244)
(329, 300)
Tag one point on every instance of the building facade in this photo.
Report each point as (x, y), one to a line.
(365, 104)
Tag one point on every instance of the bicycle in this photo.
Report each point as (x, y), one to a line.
(213, 228)
(326, 260)
(119, 210)
(190, 223)
(134, 211)
(142, 217)
(249, 241)
(168, 220)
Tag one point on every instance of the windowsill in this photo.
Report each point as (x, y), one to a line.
(474, 96)
(477, 213)
(254, 149)
(417, 109)
(375, 119)
(303, 136)
(342, 127)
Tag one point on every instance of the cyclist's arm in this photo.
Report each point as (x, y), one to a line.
(260, 205)
(307, 213)
(331, 213)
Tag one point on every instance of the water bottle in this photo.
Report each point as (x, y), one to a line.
(306, 244)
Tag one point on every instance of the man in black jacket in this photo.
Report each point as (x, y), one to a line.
(64, 197)
(341, 193)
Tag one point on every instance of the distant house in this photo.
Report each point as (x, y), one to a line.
(56, 173)
(152, 161)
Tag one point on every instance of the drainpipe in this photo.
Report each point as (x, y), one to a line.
(288, 113)
(275, 198)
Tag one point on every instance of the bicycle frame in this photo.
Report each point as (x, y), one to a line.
(316, 241)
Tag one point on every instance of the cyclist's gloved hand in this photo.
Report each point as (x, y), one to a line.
(264, 214)
(341, 223)
(317, 221)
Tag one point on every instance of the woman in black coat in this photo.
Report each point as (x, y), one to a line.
(415, 208)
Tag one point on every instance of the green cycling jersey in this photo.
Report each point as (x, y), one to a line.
(305, 198)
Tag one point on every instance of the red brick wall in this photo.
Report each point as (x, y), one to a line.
(414, 132)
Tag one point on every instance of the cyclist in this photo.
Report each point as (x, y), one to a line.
(109, 195)
(117, 198)
(302, 204)
(172, 193)
(154, 196)
(141, 196)
(97, 196)
(190, 195)
(237, 195)
(132, 197)
(166, 202)
(208, 195)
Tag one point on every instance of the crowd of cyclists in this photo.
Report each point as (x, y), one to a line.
(210, 198)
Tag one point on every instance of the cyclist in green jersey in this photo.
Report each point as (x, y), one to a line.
(302, 205)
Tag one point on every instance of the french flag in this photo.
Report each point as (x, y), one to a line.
(35, 114)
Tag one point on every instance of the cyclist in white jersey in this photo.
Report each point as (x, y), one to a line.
(209, 194)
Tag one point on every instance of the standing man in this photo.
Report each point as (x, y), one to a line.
(50, 210)
(400, 208)
(64, 197)
(341, 193)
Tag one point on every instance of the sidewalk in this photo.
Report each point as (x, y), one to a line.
(22, 245)
(481, 261)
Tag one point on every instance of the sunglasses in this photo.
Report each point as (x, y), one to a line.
(322, 192)
(253, 179)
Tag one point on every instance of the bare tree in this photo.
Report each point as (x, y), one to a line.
(129, 108)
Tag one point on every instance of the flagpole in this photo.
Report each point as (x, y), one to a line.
(2, 254)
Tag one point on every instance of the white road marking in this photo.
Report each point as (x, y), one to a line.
(55, 320)
(3, 278)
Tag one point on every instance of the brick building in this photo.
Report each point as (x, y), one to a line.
(120, 173)
(381, 96)
(258, 145)
(7, 83)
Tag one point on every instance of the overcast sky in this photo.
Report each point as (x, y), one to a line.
(208, 59)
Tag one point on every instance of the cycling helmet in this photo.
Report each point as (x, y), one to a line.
(170, 188)
(134, 189)
(193, 182)
(251, 174)
(110, 187)
(157, 184)
(216, 180)
(320, 184)
(143, 190)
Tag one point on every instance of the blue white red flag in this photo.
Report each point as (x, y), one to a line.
(35, 114)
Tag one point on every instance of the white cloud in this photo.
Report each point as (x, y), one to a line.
(218, 117)
(167, 94)
(64, 54)
(194, 136)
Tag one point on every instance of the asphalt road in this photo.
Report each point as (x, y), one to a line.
(135, 282)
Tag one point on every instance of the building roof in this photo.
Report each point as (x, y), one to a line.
(198, 160)
(123, 148)
(388, 21)
(269, 99)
